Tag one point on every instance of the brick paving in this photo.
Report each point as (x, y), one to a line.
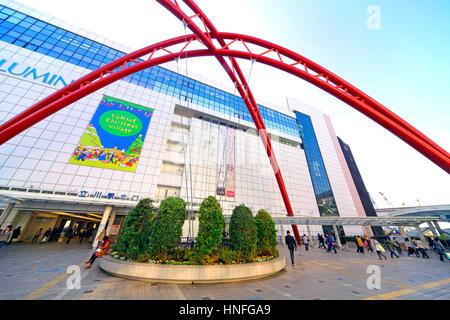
(26, 268)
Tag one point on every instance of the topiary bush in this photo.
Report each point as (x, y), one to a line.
(243, 232)
(134, 237)
(167, 227)
(211, 226)
(265, 232)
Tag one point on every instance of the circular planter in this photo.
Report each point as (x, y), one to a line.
(191, 273)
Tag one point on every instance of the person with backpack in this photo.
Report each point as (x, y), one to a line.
(421, 248)
(291, 243)
(305, 242)
(390, 247)
(16, 233)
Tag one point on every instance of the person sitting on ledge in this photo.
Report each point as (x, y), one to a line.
(102, 249)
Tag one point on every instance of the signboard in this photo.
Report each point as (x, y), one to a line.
(114, 137)
(225, 185)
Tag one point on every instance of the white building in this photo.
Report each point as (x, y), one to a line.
(199, 139)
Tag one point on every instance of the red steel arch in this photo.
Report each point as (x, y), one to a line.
(286, 60)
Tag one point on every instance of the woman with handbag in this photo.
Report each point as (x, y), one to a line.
(102, 249)
(379, 249)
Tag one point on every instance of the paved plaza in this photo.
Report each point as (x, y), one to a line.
(35, 271)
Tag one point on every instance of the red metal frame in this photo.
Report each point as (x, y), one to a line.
(284, 60)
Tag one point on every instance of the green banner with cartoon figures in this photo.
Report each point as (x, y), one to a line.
(114, 137)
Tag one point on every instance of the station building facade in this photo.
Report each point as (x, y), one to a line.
(156, 133)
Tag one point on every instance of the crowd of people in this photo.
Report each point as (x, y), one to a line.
(380, 245)
(50, 235)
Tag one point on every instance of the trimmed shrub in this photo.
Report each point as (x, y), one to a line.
(243, 232)
(135, 234)
(211, 225)
(167, 227)
(266, 232)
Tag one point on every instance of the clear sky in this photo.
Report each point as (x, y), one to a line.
(404, 65)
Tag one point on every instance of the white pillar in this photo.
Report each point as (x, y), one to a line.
(6, 213)
(338, 240)
(101, 227)
(433, 230)
(111, 221)
(422, 236)
(282, 234)
(11, 217)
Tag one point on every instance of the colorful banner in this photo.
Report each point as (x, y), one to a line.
(114, 137)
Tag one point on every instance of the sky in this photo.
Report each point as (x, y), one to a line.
(403, 65)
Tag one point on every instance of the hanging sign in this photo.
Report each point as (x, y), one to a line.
(114, 137)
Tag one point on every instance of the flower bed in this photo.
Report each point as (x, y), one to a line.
(176, 272)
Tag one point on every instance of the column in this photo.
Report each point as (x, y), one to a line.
(282, 233)
(422, 236)
(10, 218)
(438, 228)
(338, 240)
(101, 227)
(111, 220)
(433, 230)
(311, 242)
(6, 213)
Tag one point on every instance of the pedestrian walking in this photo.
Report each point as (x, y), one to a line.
(359, 245)
(331, 243)
(397, 246)
(6, 235)
(291, 243)
(421, 248)
(390, 246)
(410, 247)
(368, 244)
(46, 236)
(37, 235)
(321, 241)
(305, 241)
(82, 234)
(344, 243)
(16, 233)
(440, 249)
(379, 249)
(101, 250)
(70, 235)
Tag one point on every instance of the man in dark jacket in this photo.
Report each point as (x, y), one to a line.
(291, 243)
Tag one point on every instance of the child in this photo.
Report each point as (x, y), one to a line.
(102, 249)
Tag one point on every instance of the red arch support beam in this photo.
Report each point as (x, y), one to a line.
(284, 60)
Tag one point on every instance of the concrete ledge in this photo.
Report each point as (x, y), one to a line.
(191, 273)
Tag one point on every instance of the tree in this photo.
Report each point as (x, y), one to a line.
(266, 232)
(211, 225)
(167, 227)
(136, 147)
(135, 234)
(243, 231)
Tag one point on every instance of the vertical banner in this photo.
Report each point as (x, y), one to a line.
(229, 183)
(114, 137)
(225, 184)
